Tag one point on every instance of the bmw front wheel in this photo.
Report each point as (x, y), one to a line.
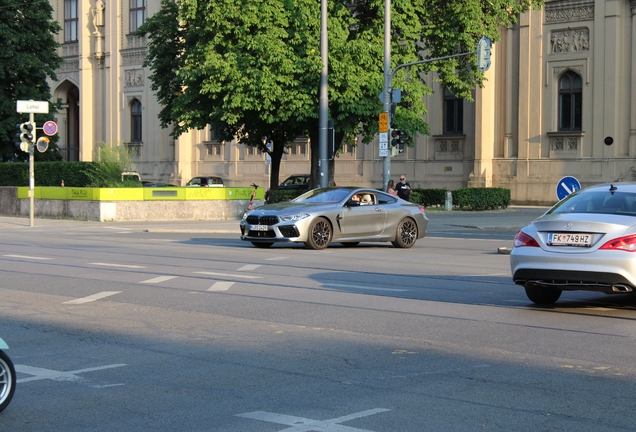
(320, 233)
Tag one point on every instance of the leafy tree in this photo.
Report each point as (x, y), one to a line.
(27, 58)
(252, 68)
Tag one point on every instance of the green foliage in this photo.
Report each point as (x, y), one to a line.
(46, 173)
(28, 56)
(428, 197)
(464, 199)
(274, 196)
(481, 198)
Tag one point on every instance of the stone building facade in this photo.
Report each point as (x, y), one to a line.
(559, 100)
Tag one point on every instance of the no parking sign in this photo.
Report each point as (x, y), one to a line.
(49, 128)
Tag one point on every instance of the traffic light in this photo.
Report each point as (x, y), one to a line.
(26, 136)
(396, 138)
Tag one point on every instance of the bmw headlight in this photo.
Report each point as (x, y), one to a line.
(294, 218)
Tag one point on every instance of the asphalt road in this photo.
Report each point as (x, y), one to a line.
(183, 327)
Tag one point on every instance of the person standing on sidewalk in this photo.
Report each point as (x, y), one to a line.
(391, 188)
(403, 189)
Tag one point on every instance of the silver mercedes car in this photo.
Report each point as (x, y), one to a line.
(587, 241)
(346, 215)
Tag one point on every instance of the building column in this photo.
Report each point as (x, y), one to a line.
(632, 105)
(485, 128)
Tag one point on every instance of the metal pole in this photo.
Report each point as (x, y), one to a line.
(31, 176)
(323, 166)
(386, 163)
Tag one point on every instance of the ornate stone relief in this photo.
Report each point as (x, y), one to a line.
(69, 65)
(134, 77)
(134, 56)
(69, 49)
(70, 56)
(570, 40)
(566, 143)
(578, 69)
(583, 12)
(133, 41)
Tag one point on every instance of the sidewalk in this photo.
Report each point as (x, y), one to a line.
(512, 218)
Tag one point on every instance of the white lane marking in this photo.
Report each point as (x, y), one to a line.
(27, 257)
(158, 279)
(164, 240)
(485, 275)
(92, 298)
(229, 275)
(116, 265)
(41, 373)
(221, 286)
(124, 232)
(249, 267)
(276, 258)
(302, 424)
(363, 287)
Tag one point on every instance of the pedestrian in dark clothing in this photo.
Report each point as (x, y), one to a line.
(403, 189)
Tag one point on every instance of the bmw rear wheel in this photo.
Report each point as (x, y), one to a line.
(7, 380)
(543, 296)
(320, 234)
(406, 234)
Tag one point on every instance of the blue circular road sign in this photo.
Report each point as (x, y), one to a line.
(566, 186)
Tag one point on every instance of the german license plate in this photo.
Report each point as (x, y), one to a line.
(258, 227)
(570, 239)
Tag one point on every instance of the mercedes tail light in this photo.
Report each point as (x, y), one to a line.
(523, 239)
(626, 243)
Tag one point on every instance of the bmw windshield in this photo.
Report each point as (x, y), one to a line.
(323, 195)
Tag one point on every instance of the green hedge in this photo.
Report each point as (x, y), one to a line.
(74, 174)
(463, 199)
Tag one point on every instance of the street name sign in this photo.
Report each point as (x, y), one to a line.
(40, 107)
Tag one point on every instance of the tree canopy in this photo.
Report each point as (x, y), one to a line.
(28, 56)
(252, 68)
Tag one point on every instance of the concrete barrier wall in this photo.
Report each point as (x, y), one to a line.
(11, 205)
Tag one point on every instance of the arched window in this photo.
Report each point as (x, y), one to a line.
(135, 121)
(453, 113)
(570, 102)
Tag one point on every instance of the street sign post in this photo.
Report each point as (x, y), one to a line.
(566, 186)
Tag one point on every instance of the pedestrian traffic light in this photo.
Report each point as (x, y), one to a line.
(26, 135)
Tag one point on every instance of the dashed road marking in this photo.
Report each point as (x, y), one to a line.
(249, 267)
(221, 286)
(301, 424)
(41, 373)
(27, 257)
(158, 279)
(276, 258)
(363, 287)
(92, 298)
(229, 275)
(116, 265)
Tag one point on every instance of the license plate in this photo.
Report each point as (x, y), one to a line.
(258, 227)
(570, 239)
